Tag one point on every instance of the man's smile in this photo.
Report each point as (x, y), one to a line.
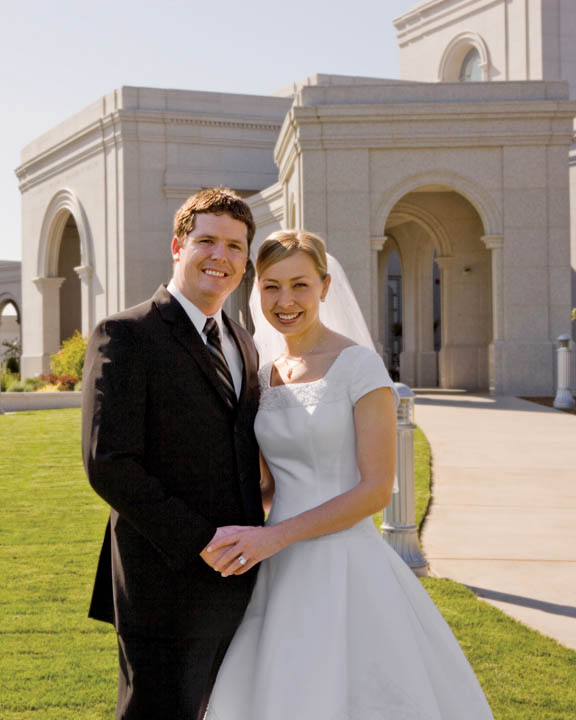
(215, 273)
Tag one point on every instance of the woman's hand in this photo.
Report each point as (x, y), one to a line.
(253, 544)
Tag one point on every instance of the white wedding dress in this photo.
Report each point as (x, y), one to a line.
(338, 627)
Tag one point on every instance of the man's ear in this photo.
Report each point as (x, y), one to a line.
(175, 248)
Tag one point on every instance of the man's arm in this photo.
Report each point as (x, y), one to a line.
(113, 444)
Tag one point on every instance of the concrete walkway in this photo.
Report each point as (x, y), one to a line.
(503, 513)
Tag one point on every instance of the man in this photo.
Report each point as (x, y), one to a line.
(170, 396)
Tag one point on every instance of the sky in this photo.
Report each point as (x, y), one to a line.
(57, 57)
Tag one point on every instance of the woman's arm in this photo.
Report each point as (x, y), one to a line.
(266, 485)
(375, 426)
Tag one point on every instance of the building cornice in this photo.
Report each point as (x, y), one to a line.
(123, 126)
(268, 205)
(425, 125)
(430, 16)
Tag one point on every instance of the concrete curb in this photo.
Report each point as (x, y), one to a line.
(18, 401)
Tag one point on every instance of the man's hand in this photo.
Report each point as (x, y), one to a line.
(212, 556)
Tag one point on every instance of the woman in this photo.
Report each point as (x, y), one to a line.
(338, 627)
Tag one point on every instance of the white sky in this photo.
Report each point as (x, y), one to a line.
(58, 56)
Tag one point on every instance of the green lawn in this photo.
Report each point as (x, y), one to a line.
(56, 664)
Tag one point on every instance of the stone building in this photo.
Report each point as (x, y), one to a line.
(444, 194)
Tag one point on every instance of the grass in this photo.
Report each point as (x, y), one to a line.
(58, 665)
(55, 664)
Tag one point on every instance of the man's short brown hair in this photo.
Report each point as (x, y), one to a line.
(219, 201)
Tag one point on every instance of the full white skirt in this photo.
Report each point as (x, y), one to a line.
(339, 628)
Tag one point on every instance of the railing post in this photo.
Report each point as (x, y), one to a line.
(564, 399)
(399, 526)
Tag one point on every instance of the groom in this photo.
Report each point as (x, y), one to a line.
(170, 395)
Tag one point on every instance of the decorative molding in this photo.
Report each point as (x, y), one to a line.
(64, 203)
(377, 243)
(493, 242)
(48, 283)
(416, 22)
(488, 209)
(84, 272)
(428, 221)
(456, 51)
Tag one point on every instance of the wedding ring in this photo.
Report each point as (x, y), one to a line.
(242, 560)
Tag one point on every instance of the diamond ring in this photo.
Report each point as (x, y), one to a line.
(242, 560)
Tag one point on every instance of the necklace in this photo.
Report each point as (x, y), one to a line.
(291, 362)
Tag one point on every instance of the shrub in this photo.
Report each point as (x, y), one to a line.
(7, 379)
(69, 360)
(66, 382)
(16, 386)
(34, 383)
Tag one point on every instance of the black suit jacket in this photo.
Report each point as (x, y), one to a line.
(161, 446)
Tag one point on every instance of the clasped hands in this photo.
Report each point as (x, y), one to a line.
(231, 543)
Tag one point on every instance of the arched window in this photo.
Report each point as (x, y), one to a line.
(465, 59)
(470, 70)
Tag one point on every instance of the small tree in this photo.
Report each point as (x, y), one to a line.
(69, 360)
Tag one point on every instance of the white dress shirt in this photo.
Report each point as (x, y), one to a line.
(229, 347)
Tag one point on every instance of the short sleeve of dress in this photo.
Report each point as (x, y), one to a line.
(369, 373)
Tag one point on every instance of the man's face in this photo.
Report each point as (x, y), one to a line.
(212, 261)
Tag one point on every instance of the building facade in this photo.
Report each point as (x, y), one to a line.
(445, 195)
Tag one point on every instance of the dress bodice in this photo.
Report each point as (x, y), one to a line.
(306, 430)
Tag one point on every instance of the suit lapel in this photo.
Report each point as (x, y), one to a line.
(185, 333)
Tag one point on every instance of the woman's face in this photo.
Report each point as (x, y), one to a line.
(290, 292)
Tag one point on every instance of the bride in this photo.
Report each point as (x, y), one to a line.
(338, 627)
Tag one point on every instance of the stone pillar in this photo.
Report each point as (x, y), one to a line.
(426, 360)
(85, 273)
(377, 245)
(444, 262)
(564, 399)
(495, 243)
(399, 527)
(50, 317)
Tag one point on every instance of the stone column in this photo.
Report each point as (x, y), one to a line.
(426, 360)
(85, 273)
(399, 527)
(444, 262)
(495, 243)
(377, 245)
(50, 318)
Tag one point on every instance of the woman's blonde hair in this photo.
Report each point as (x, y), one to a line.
(284, 243)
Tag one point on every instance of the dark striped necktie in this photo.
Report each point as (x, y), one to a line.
(214, 345)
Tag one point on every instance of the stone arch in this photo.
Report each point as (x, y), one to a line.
(456, 51)
(426, 220)
(9, 299)
(63, 204)
(446, 278)
(481, 200)
(7, 329)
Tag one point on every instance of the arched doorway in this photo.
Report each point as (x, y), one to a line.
(10, 337)
(446, 325)
(65, 282)
(69, 258)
